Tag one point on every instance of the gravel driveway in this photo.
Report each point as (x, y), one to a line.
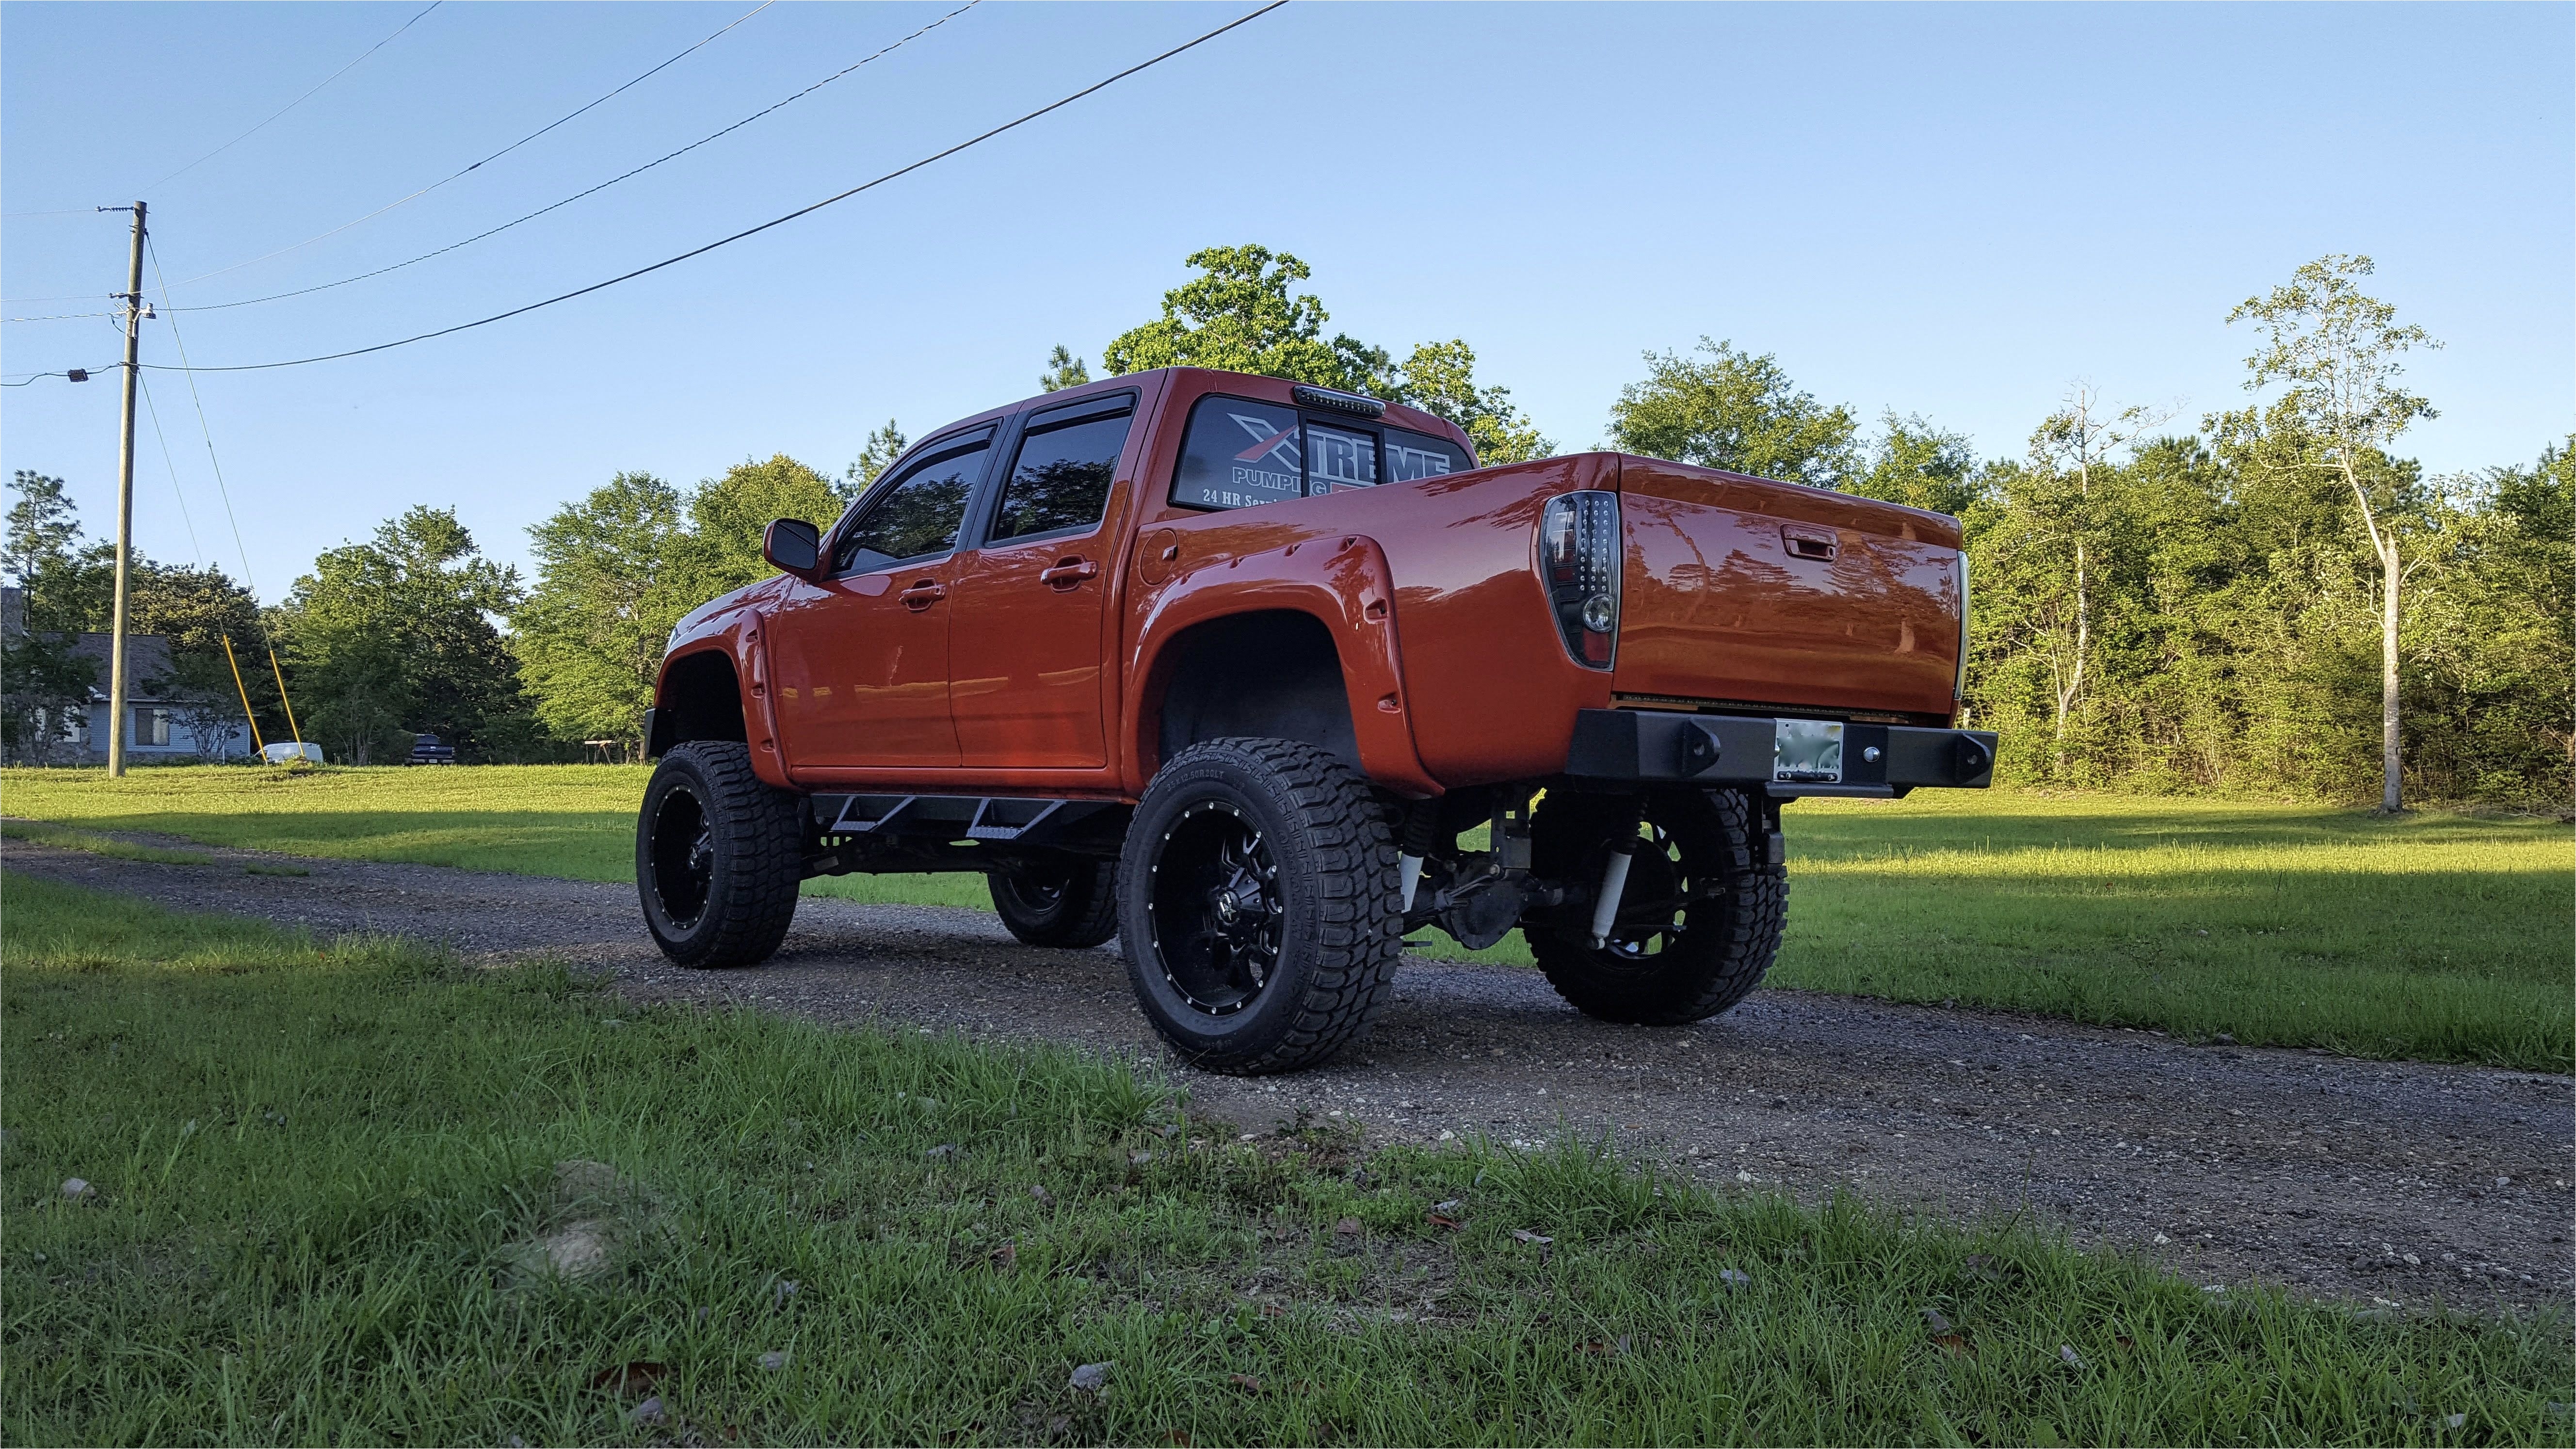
(2393, 1183)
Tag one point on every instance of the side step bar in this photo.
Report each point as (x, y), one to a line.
(997, 818)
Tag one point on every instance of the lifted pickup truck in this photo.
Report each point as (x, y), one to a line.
(1237, 670)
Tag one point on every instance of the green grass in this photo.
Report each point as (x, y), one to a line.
(315, 1168)
(2435, 936)
(100, 845)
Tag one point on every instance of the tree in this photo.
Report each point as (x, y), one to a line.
(1238, 316)
(878, 454)
(201, 687)
(2070, 445)
(728, 517)
(44, 686)
(1440, 379)
(396, 635)
(68, 585)
(2337, 350)
(1921, 466)
(589, 635)
(1734, 411)
(1063, 370)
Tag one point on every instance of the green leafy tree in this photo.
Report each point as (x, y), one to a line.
(43, 685)
(589, 635)
(396, 635)
(1733, 410)
(728, 516)
(69, 584)
(1440, 379)
(2337, 351)
(1921, 466)
(1063, 370)
(2067, 450)
(1238, 315)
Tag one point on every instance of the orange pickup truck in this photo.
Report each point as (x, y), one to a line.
(1260, 677)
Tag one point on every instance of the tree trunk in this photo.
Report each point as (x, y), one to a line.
(2390, 797)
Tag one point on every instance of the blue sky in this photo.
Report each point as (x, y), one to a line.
(1947, 210)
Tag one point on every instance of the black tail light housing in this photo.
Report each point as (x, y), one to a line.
(1578, 563)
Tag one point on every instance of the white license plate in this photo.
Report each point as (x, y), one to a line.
(1807, 751)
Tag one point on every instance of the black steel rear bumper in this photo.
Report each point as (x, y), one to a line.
(1722, 749)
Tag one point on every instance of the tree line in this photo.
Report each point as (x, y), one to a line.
(2273, 600)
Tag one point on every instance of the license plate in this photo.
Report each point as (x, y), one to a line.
(1807, 751)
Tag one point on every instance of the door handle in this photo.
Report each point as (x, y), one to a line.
(922, 595)
(1068, 572)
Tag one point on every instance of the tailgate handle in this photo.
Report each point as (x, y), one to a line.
(1809, 543)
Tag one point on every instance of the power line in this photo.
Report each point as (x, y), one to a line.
(576, 196)
(495, 156)
(748, 231)
(299, 100)
(63, 317)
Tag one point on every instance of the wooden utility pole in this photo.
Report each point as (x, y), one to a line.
(116, 721)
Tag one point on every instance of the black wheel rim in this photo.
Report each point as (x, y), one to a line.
(1215, 906)
(1037, 892)
(683, 855)
(1656, 904)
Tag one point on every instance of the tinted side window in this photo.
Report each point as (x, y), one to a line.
(1238, 453)
(917, 515)
(1411, 456)
(1061, 478)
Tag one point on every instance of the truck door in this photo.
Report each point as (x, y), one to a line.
(1027, 653)
(861, 659)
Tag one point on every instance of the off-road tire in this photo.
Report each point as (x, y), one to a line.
(1067, 901)
(1733, 921)
(752, 849)
(1340, 927)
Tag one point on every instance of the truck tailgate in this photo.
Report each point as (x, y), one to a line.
(1743, 591)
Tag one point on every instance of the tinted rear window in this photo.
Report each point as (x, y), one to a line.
(1238, 453)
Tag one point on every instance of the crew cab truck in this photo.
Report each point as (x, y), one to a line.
(1260, 677)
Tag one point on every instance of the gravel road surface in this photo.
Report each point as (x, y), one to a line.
(2379, 1182)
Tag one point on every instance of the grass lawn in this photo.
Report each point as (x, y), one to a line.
(2436, 936)
(323, 1180)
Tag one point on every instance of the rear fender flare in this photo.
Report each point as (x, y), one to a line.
(1344, 583)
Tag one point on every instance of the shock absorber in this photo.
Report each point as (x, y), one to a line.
(1614, 883)
(1421, 833)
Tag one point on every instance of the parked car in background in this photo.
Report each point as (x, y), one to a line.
(282, 752)
(426, 750)
(1260, 677)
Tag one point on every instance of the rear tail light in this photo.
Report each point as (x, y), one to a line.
(1578, 563)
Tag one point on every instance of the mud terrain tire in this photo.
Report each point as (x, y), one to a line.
(1729, 906)
(718, 854)
(1257, 905)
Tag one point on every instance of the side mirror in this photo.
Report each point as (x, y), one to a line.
(794, 546)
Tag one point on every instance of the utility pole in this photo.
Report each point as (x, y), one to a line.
(116, 721)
